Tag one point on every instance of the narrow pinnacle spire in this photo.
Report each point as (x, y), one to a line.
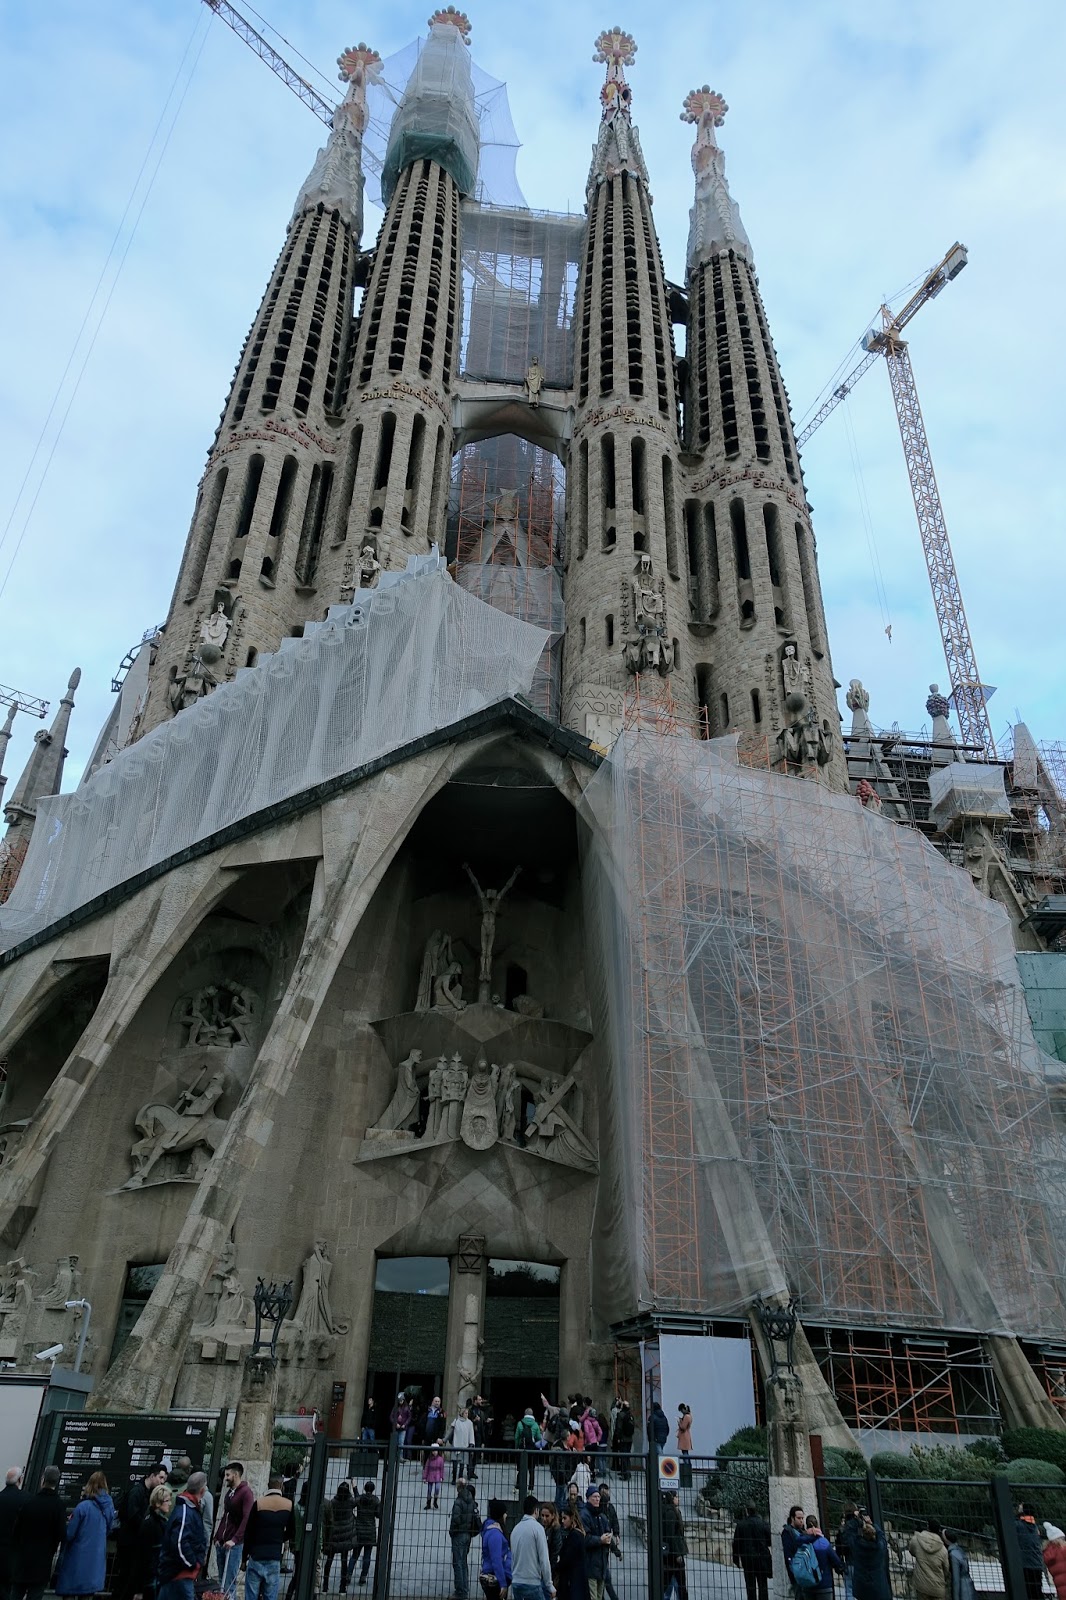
(714, 221)
(5, 735)
(43, 772)
(617, 149)
(336, 179)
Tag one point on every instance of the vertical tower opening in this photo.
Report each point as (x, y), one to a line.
(608, 628)
(637, 454)
(809, 579)
(742, 563)
(670, 517)
(634, 330)
(723, 359)
(248, 499)
(209, 518)
(607, 291)
(607, 459)
(581, 498)
(774, 558)
(705, 699)
(290, 316)
(315, 512)
(347, 485)
(279, 517)
(751, 366)
(414, 474)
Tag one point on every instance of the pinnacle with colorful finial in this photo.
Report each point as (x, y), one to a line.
(715, 220)
(457, 19)
(615, 48)
(359, 66)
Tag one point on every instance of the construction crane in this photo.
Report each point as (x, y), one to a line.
(323, 109)
(971, 705)
(23, 702)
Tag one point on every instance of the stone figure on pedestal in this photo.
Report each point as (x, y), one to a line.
(214, 631)
(402, 1109)
(505, 1102)
(314, 1316)
(490, 901)
(435, 1090)
(64, 1285)
(454, 1080)
(369, 567)
(534, 380)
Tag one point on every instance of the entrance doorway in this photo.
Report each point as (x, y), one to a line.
(408, 1333)
(521, 1341)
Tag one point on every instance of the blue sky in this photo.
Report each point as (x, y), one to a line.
(861, 142)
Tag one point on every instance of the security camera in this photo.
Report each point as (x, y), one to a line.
(50, 1354)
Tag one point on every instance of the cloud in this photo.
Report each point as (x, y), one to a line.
(860, 143)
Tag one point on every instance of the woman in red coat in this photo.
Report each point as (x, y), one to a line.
(1055, 1557)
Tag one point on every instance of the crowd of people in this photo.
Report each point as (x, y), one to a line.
(859, 1554)
(163, 1538)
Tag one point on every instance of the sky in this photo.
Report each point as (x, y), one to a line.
(861, 142)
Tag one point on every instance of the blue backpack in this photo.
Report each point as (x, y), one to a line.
(806, 1573)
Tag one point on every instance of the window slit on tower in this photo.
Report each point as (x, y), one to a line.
(809, 579)
(632, 288)
(248, 499)
(581, 498)
(774, 561)
(742, 561)
(607, 291)
(730, 436)
(705, 699)
(283, 343)
(207, 532)
(414, 474)
(637, 454)
(607, 459)
(670, 518)
(315, 512)
(316, 322)
(347, 485)
(751, 366)
(282, 501)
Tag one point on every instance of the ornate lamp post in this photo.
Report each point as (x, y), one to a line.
(272, 1305)
(779, 1324)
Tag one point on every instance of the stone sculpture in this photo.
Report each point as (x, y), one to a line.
(440, 978)
(314, 1316)
(16, 1300)
(188, 1128)
(214, 631)
(402, 1109)
(483, 1104)
(220, 1014)
(534, 380)
(369, 567)
(65, 1285)
(480, 1122)
(791, 671)
(647, 647)
(490, 901)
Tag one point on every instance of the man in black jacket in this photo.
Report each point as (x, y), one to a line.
(622, 1439)
(42, 1521)
(183, 1551)
(1032, 1551)
(752, 1552)
(12, 1499)
(464, 1524)
(124, 1583)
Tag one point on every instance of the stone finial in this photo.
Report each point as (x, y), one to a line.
(449, 16)
(937, 705)
(359, 65)
(714, 222)
(615, 49)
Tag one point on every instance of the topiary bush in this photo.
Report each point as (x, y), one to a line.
(891, 1464)
(745, 1442)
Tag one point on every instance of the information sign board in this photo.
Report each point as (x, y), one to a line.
(123, 1448)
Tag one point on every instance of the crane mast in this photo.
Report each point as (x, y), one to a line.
(970, 703)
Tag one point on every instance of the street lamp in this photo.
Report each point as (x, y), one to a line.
(80, 1305)
(271, 1307)
(779, 1324)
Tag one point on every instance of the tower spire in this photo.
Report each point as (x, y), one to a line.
(336, 180)
(617, 148)
(714, 221)
(43, 773)
(5, 735)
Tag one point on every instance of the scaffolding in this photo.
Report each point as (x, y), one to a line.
(821, 1044)
(505, 538)
(907, 1383)
(520, 272)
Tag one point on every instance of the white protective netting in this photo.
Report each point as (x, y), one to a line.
(417, 654)
(824, 1068)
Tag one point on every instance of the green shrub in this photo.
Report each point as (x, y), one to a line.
(1039, 1444)
(985, 1449)
(745, 1442)
(891, 1464)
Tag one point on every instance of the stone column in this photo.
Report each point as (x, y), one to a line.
(791, 1481)
(253, 1425)
(466, 1323)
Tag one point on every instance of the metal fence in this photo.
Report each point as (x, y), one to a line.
(413, 1557)
(980, 1512)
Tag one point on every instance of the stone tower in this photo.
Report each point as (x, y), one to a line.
(753, 575)
(626, 601)
(250, 572)
(41, 776)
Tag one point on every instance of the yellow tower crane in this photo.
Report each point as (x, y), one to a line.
(971, 704)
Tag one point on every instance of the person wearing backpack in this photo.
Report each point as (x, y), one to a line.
(464, 1523)
(826, 1559)
(793, 1538)
(527, 1436)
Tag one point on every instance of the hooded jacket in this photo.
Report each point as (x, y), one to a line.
(932, 1569)
(84, 1559)
(184, 1546)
